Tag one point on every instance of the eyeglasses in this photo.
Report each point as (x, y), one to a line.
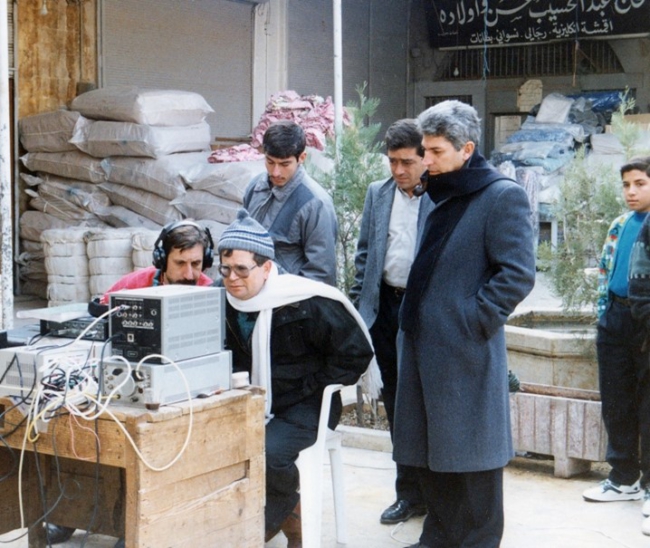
(240, 270)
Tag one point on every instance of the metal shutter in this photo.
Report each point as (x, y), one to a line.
(10, 26)
(374, 51)
(203, 46)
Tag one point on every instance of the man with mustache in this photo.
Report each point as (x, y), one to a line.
(181, 253)
(392, 215)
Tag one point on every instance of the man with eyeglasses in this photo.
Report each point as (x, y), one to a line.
(294, 336)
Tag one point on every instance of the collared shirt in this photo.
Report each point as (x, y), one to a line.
(402, 234)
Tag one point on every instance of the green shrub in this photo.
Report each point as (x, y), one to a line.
(590, 199)
(357, 161)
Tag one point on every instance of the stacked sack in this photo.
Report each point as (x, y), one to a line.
(142, 246)
(131, 158)
(143, 139)
(82, 263)
(216, 191)
(56, 161)
(109, 255)
(113, 160)
(31, 259)
(66, 264)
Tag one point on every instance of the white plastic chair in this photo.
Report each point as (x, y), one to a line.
(310, 465)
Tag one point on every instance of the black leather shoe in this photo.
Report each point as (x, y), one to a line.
(402, 510)
(56, 534)
(268, 535)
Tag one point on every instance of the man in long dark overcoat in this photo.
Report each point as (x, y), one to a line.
(474, 265)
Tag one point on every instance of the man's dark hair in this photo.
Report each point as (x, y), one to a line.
(640, 164)
(185, 237)
(404, 133)
(257, 258)
(284, 139)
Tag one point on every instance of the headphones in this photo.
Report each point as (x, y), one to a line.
(421, 187)
(160, 255)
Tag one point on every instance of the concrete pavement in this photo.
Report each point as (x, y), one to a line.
(541, 511)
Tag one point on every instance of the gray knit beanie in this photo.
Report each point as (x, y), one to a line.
(247, 234)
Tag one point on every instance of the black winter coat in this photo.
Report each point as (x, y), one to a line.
(314, 343)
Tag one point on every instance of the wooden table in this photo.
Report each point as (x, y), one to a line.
(213, 496)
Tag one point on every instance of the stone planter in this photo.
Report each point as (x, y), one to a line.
(553, 348)
(558, 412)
(570, 429)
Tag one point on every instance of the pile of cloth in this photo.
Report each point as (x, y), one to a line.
(538, 153)
(313, 113)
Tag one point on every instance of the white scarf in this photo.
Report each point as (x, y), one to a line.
(280, 290)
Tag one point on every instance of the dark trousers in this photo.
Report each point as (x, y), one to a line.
(624, 376)
(287, 433)
(384, 338)
(465, 510)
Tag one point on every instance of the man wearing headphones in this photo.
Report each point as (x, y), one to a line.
(180, 255)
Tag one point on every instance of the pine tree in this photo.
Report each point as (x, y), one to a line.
(357, 162)
(590, 199)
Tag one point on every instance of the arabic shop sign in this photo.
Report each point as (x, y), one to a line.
(461, 23)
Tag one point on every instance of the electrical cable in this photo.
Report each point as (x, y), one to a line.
(20, 375)
(132, 441)
(62, 488)
(92, 324)
(6, 422)
(393, 534)
(100, 373)
(20, 480)
(86, 394)
(14, 462)
(31, 424)
(72, 389)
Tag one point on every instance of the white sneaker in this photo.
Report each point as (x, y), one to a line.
(646, 503)
(608, 491)
(645, 526)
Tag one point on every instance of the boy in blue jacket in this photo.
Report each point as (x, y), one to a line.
(624, 375)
